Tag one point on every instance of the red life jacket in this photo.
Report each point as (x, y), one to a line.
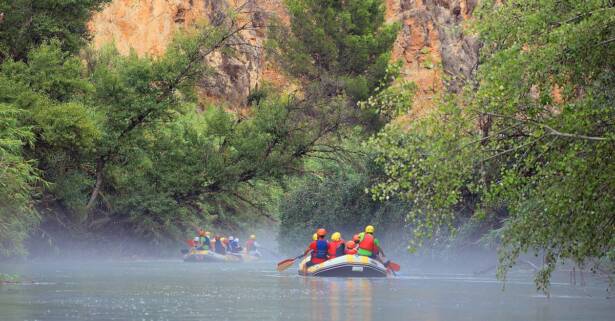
(319, 251)
(367, 243)
(250, 245)
(333, 246)
(350, 251)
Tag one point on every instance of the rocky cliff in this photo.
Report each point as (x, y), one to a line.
(435, 50)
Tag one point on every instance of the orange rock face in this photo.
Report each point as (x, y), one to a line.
(145, 26)
(435, 51)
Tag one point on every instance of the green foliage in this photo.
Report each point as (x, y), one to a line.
(17, 179)
(334, 197)
(531, 151)
(556, 178)
(124, 150)
(427, 164)
(392, 102)
(30, 23)
(200, 167)
(9, 278)
(341, 45)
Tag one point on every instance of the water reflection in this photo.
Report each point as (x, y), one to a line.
(340, 299)
(174, 291)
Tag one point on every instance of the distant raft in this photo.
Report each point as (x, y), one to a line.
(210, 256)
(345, 266)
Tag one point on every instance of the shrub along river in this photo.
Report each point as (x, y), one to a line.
(173, 290)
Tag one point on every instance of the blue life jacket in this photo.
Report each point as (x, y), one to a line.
(205, 244)
(321, 249)
(219, 248)
(205, 241)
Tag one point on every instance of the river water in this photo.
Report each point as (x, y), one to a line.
(173, 290)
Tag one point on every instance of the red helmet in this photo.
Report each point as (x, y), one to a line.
(350, 245)
(321, 232)
(356, 238)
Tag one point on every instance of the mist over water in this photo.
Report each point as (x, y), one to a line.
(427, 289)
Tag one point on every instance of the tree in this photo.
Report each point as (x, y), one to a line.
(206, 167)
(538, 162)
(26, 24)
(333, 196)
(338, 47)
(18, 177)
(123, 148)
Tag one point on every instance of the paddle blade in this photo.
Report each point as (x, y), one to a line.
(393, 266)
(283, 265)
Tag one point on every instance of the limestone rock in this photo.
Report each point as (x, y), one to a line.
(435, 50)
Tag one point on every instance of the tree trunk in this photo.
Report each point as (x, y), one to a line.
(100, 166)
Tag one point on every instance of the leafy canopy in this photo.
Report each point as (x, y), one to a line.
(29, 23)
(343, 44)
(530, 152)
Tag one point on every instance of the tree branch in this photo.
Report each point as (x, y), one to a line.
(552, 131)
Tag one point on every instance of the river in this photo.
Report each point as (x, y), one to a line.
(173, 290)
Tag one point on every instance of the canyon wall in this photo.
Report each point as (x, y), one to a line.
(436, 52)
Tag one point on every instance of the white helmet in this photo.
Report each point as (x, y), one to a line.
(196, 239)
(230, 238)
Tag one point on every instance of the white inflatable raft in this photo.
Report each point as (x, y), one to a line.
(345, 266)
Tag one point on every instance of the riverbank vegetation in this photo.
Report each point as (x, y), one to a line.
(528, 159)
(95, 145)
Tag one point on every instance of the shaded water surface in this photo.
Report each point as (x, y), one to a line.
(173, 290)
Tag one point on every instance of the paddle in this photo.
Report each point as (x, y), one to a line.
(285, 264)
(393, 266)
(388, 263)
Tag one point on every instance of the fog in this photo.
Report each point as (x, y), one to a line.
(98, 283)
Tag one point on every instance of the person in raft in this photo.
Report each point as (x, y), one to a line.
(318, 248)
(369, 245)
(203, 242)
(336, 245)
(233, 245)
(219, 245)
(351, 248)
(252, 246)
(194, 243)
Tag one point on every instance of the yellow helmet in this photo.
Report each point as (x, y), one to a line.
(369, 229)
(314, 237)
(336, 236)
(252, 237)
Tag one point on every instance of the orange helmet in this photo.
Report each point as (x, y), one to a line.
(356, 238)
(350, 245)
(321, 232)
